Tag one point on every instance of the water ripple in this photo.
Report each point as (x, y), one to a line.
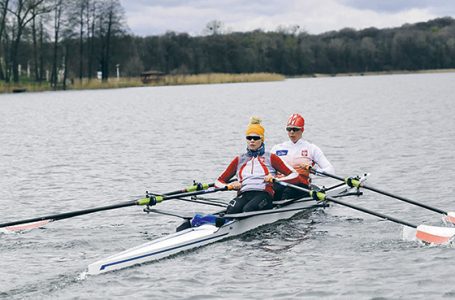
(79, 149)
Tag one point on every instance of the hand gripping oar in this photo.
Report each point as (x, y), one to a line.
(352, 182)
(426, 233)
(148, 200)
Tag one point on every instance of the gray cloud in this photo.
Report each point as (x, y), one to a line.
(315, 16)
(402, 5)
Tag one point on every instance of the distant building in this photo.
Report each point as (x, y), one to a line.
(151, 76)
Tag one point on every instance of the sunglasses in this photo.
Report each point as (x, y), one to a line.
(253, 137)
(295, 129)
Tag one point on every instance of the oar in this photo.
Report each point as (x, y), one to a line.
(352, 182)
(148, 200)
(426, 233)
(197, 186)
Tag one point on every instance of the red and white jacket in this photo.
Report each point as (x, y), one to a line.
(251, 171)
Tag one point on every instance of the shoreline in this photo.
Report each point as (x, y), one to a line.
(125, 82)
(376, 73)
(208, 78)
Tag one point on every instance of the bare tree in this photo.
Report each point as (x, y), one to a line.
(65, 63)
(111, 23)
(23, 12)
(3, 15)
(90, 21)
(77, 24)
(58, 9)
(37, 31)
(83, 5)
(290, 29)
(41, 45)
(214, 27)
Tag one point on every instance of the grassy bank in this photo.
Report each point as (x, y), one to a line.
(210, 78)
(136, 82)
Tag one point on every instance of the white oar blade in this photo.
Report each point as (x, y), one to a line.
(450, 217)
(435, 234)
(26, 226)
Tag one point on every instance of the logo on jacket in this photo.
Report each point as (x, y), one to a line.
(281, 152)
(304, 153)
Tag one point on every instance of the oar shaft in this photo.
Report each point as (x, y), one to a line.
(70, 214)
(326, 174)
(142, 201)
(193, 188)
(219, 204)
(189, 194)
(403, 199)
(363, 185)
(374, 213)
(365, 210)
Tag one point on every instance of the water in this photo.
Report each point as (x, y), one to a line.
(65, 151)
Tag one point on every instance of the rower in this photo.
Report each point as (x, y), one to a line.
(301, 155)
(255, 171)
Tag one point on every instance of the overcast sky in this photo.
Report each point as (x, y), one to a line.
(152, 17)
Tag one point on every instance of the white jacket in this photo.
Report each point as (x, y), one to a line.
(303, 152)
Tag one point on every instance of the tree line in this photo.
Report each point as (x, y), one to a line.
(54, 41)
(50, 40)
(290, 51)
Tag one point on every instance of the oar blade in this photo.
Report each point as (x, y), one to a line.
(450, 217)
(435, 234)
(25, 226)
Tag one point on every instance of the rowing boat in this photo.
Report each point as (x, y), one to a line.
(194, 237)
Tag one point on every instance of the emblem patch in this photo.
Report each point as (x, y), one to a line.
(282, 152)
(304, 153)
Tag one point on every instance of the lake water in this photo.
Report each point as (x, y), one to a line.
(63, 151)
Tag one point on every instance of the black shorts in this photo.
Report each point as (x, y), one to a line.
(250, 201)
(283, 193)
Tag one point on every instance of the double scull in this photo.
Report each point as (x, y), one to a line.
(194, 237)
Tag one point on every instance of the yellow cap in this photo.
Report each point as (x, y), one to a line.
(255, 127)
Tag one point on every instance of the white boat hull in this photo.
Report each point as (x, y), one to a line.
(191, 238)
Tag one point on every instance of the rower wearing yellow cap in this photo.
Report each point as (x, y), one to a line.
(255, 171)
